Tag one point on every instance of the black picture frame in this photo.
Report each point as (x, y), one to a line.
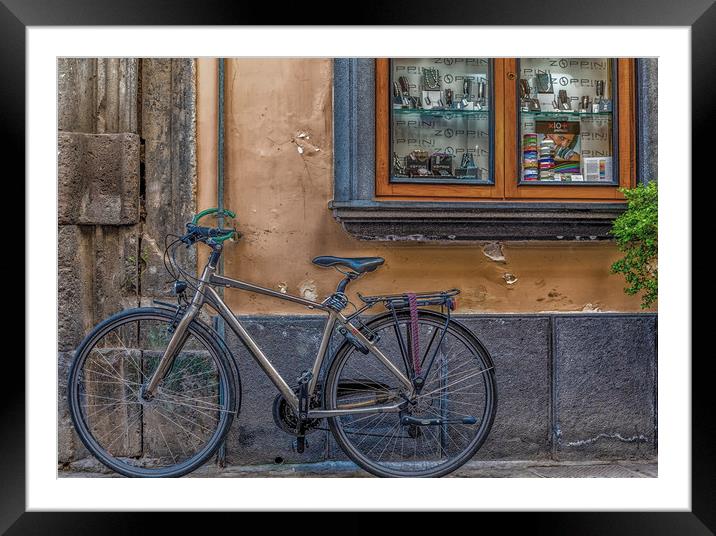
(699, 15)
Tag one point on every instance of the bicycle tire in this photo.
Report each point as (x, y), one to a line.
(95, 360)
(400, 465)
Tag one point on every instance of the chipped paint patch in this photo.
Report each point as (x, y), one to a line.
(478, 293)
(493, 251)
(303, 146)
(509, 278)
(307, 290)
(283, 288)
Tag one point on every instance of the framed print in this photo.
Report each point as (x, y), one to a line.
(453, 156)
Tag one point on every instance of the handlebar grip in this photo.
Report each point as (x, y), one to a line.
(213, 234)
(209, 211)
(220, 231)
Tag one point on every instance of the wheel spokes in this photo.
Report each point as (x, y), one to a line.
(170, 429)
(454, 389)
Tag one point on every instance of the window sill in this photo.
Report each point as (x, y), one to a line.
(456, 221)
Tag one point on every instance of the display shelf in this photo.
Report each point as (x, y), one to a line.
(547, 182)
(564, 113)
(434, 179)
(446, 113)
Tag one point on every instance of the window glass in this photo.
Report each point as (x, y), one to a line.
(441, 124)
(566, 121)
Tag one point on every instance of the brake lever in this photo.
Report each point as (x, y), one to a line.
(189, 240)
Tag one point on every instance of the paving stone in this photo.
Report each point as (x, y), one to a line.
(586, 471)
(647, 469)
(332, 469)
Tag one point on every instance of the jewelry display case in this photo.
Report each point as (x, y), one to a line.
(558, 129)
(441, 122)
(567, 111)
(371, 201)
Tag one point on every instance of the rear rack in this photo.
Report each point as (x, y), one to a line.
(400, 301)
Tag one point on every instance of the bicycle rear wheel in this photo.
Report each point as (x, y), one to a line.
(176, 431)
(459, 398)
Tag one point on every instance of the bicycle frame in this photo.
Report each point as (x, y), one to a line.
(205, 294)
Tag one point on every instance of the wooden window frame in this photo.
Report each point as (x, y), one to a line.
(506, 170)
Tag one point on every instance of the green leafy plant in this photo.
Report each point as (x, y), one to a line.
(636, 232)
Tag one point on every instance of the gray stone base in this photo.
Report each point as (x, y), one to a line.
(579, 386)
(605, 387)
(290, 343)
(570, 387)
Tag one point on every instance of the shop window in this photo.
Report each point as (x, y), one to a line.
(488, 148)
(566, 112)
(441, 124)
(505, 128)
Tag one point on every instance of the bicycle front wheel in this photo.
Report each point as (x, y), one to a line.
(458, 399)
(181, 426)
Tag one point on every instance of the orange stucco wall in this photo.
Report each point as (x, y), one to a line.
(279, 179)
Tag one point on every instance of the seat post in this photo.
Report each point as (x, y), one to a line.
(350, 276)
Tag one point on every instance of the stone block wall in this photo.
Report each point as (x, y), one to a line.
(126, 179)
(98, 176)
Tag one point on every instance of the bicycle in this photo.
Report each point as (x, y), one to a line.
(410, 392)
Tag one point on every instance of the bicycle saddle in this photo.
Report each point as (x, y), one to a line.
(357, 264)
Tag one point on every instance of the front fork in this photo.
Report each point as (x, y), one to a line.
(175, 343)
(178, 339)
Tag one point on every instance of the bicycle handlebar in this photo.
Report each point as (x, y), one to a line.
(215, 235)
(209, 211)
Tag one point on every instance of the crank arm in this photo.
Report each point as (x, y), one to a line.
(407, 420)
